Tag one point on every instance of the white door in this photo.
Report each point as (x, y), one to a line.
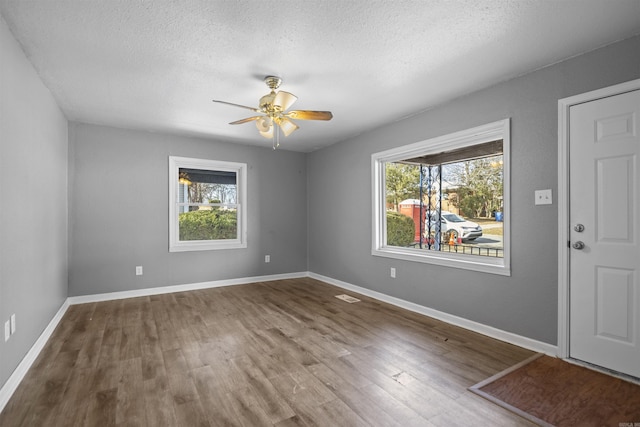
(604, 194)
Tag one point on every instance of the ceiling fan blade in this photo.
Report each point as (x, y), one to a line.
(237, 105)
(309, 115)
(286, 125)
(284, 100)
(247, 120)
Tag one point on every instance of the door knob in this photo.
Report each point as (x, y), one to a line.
(578, 245)
(579, 228)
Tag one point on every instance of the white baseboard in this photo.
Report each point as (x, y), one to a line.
(14, 380)
(83, 299)
(489, 331)
(16, 377)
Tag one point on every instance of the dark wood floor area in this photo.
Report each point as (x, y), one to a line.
(281, 353)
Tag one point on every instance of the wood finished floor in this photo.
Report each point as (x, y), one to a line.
(281, 353)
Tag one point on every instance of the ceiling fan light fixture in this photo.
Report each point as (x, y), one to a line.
(268, 133)
(286, 125)
(264, 123)
(283, 100)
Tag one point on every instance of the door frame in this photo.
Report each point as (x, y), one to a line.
(564, 105)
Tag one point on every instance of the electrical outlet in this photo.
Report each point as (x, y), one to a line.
(393, 272)
(13, 324)
(7, 330)
(139, 270)
(267, 258)
(543, 197)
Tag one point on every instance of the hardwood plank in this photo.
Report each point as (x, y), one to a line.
(294, 421)
(102, 408)
(270, 401)
(130, 342)
(76, 399)
(304, 393)
(111, 336)
(467, 412)
(150, 351)
(179, 378)
(158, 403)
(167, 335)
(210, 389)
(247, 409)
(426, 406)
(130, 410)
(347, 373)
(75, 337)
(106, 376)
(190, 414)
(358, 402)
(400, 412)
(337, 413)
(51, 389)
(268, 356)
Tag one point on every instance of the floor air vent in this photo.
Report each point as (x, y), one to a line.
(347, 298)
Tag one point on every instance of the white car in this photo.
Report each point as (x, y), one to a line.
(457, 226)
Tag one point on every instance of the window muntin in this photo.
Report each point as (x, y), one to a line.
(207, 204)
(428, 165)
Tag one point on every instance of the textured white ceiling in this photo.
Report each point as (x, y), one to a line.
(156, 65)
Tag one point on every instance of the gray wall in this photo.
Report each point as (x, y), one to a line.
(525, 303)
(119, 211)
(33, 203)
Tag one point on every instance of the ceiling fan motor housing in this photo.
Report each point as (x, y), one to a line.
(266, 103)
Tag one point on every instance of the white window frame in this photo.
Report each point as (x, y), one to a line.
(175, 245)
(478, 135)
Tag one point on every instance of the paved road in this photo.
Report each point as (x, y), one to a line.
(487, 241)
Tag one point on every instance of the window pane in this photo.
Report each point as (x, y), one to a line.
(207, 186)
(451, 207)
(208, 223)
(207, 205)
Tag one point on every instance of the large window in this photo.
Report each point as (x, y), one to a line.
(207, 204)
(445, 200)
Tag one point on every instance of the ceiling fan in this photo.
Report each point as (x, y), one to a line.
(273, 108)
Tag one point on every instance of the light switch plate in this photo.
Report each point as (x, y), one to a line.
(7, 330)
(543, 197)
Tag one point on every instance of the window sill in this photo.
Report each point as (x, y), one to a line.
(206, 246)
(465, 262)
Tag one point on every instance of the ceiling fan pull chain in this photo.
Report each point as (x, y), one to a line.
(276, 137)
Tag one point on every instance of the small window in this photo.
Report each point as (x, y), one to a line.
(445, 200)
(207, 204)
